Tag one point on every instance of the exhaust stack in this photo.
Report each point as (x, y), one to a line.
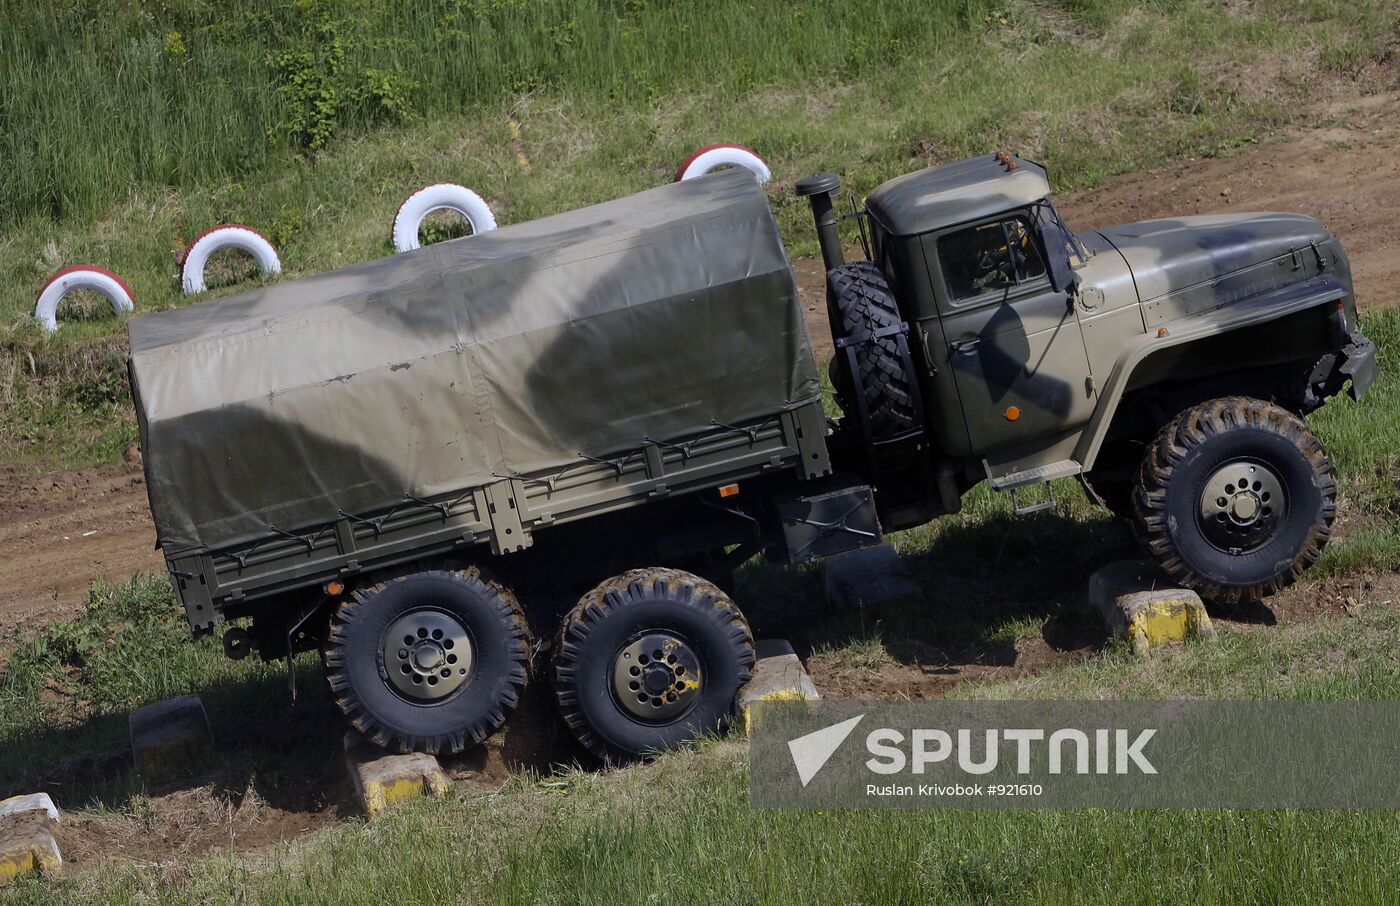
(818, 189)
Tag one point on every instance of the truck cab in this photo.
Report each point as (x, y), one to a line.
(1001, 339)
(983, 339)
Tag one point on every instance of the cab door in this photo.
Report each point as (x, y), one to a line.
(1013, 343)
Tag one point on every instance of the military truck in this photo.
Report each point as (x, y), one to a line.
(539, 454)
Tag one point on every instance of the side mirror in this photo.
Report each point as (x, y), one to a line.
(1052, 239)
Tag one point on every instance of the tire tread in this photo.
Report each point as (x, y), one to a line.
(1189, 430)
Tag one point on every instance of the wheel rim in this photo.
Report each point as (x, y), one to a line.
(1242, 505)
(657, 677)
(427, 655)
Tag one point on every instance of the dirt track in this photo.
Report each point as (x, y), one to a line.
(60, 530)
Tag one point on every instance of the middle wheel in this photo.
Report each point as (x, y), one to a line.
(648, 660)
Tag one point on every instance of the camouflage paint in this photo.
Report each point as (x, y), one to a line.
(514, 353)
(1032, 378)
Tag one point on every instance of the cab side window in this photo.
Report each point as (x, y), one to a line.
(991, 257)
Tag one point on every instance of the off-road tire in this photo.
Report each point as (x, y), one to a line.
(357, 675)
(859, 295)
(594, 634)
(1199, 443)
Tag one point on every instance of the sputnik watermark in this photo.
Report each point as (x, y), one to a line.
(1111, 749)
(811, 752)
(1070, 754)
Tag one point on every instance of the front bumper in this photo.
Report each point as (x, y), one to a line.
(1358, 362)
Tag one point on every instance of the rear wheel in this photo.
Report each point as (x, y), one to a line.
(648, 660)
(859, 294)
(430, 662)
(1235, 499)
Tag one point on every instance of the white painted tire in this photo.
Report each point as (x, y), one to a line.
(81, 276)
(226, 236)
(443, 196)
(712, 157)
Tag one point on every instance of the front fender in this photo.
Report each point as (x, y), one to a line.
(1238, 316)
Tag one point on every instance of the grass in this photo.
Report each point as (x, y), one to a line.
(1329, 660)
(65, 693)
(684, 823)
(312, 121)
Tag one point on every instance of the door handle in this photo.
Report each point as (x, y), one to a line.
(965, 347)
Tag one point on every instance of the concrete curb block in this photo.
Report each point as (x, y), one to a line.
(170, 737)
(778, 675)
(870, 577)
(30, 802)
(384, 779)
(27, 842)
(1140, 604)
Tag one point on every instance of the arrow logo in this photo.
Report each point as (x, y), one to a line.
(811, 752)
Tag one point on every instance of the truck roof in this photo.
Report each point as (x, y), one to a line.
(955, 193)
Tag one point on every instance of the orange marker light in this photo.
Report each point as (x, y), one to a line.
(334, 588)
(729, 490)
(1012, 413)
(1161, 331)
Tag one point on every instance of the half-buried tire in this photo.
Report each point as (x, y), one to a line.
(863, 302)
(428, 662)
(226, 236)
(80, 276)
(443, 196)
(713, 157)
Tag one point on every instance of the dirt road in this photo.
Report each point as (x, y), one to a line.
(60, 530)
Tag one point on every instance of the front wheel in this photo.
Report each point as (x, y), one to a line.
(648, 660)
(1235, 499)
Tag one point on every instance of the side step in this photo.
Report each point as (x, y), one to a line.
(1039, 475)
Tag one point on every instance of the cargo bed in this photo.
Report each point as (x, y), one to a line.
(474, 392)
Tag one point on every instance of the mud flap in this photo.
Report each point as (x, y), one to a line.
(1359, 363)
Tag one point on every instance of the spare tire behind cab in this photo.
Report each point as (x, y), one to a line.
(863, 302)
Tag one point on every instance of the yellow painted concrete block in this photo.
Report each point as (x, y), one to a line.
(778, 675)
(384, 779)
(27, 844)
(1140, 604)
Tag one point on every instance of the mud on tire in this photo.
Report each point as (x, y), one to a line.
(636, 613)
(862, 299)
(1235, 499)
(399, 715)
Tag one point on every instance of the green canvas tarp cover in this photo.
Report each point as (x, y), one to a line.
(445, 368)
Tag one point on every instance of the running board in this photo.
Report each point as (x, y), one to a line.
(1039, 475)
(1062, 469)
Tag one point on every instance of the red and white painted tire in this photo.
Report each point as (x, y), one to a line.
(712, 157)
(443, 196)
(81, 276)
(225, 236)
